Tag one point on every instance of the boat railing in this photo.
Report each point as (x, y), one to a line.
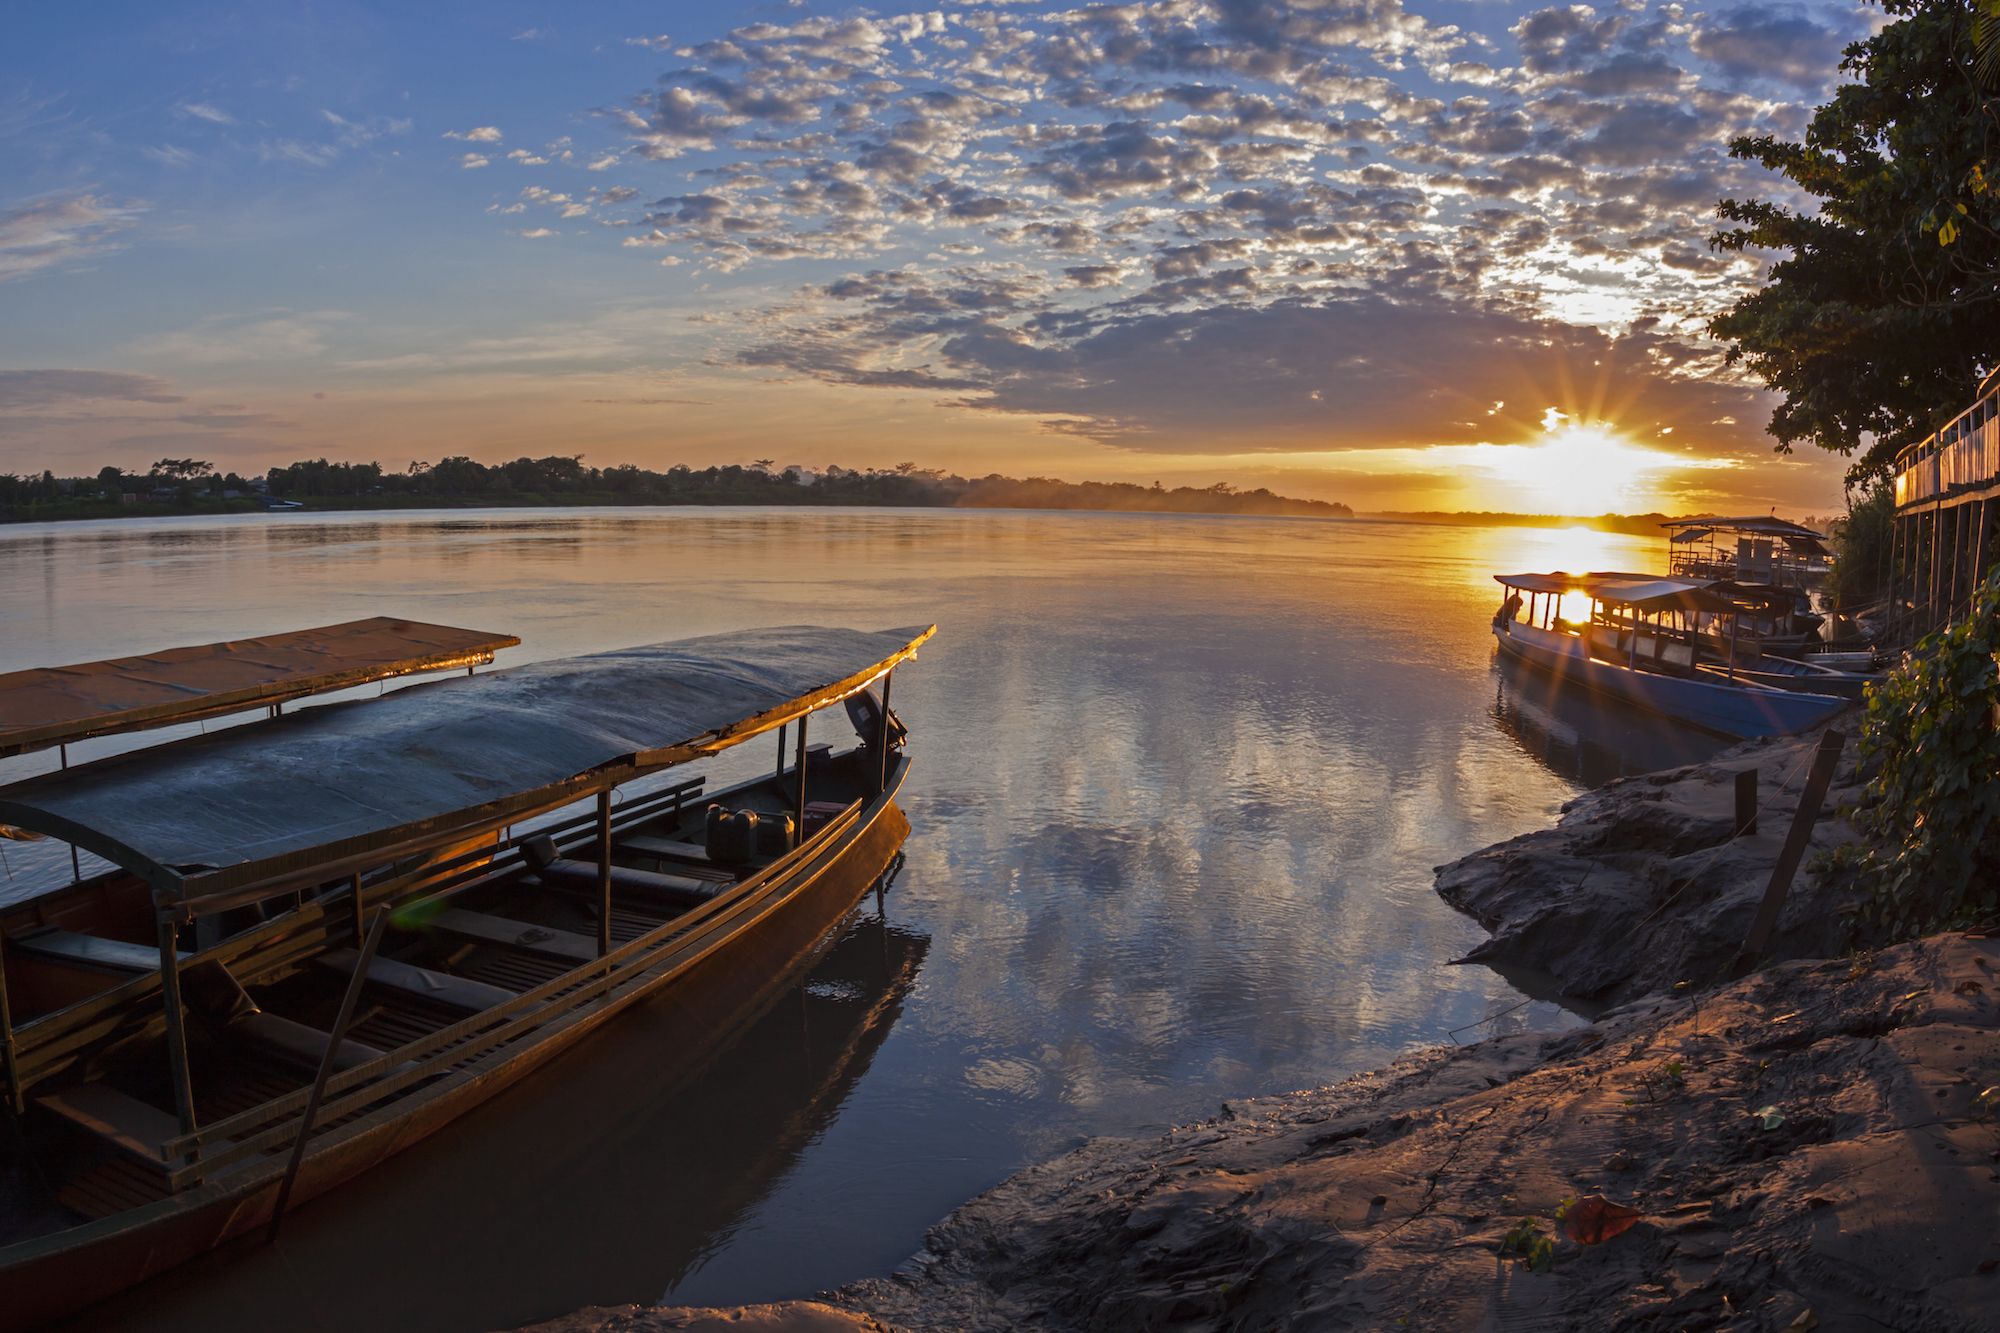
(1964, 453)
(272, 1125)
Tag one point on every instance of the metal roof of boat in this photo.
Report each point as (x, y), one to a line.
(49, 706)
(265, 807)
(1640, 592)
(1765, 525)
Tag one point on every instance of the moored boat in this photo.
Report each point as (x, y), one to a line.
(332, 932)
(1638, 638)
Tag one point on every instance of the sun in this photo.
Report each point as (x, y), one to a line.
(1578, 467)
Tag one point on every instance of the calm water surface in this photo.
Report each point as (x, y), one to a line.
(1178, 790)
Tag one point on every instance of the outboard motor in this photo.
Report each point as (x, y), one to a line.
(864, 710)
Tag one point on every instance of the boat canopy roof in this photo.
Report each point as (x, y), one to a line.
(50, 706)
(1796, 535)
(267, 807)
(1638, 592)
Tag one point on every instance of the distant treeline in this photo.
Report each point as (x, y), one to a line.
(1639, 525)
(178, 486)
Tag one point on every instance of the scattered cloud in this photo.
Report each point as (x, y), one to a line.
(537, 233)
(209, 112)
(482, 134)
(474, 161)
(58, 230)
(1158, 225)
(275, 335)
(27, 390)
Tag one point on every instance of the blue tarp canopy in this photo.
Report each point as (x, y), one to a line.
(324, 789)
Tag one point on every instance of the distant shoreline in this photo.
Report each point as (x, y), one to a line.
(94, 511)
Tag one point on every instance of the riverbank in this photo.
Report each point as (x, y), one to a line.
(1645, 883)
(1814, 1146)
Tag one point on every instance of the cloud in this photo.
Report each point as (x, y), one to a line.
(1272, 221)
(214, 115)
(27, 390)
(237, 339)
(538, 233)
(474, 161)
(57, 230)
(480, 134)
(1781, 43)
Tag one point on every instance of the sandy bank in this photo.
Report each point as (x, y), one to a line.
(1642, 884)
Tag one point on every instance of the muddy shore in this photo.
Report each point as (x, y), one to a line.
(1814, 1146)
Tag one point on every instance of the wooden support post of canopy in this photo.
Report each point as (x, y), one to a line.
(882, 777)
(799, 828)
(333, 1041)
(603, 873)
(177, 1049)
(15, 1101)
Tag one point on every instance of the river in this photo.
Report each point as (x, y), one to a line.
(1179, 784)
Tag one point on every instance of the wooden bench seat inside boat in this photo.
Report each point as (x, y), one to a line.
(296, 1043)
(126, 1123)
(67, 946)
(514, 934)
(689, 890)
(458, 992)
(215, 997)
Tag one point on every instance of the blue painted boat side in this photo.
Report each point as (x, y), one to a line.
(1742, 711)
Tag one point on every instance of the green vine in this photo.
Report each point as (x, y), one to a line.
(1932, 816)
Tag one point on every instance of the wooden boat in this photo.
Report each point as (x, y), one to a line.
(1639, 640)
(1752, 550)
(332, 932)
(1807, 675)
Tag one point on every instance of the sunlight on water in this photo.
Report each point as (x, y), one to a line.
(1179, 787)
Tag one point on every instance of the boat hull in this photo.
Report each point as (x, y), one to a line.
(55, 1275)
(1725, 709)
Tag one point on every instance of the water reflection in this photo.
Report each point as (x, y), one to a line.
(1179, 786)
(608, 1178)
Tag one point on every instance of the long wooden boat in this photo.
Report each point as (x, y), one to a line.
(332, 932)
(1637, 639)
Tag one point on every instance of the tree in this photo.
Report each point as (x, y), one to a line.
(1884, 315)
(181, 469)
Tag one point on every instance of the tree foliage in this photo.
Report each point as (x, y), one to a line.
(1932, 818)
(1861, 546)
(565, 479)
(1884, 313)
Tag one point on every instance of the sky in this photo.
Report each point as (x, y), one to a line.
(1406, 255)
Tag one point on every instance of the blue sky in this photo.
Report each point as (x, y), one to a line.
(1353, 248)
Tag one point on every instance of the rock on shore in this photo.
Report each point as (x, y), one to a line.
(1811, 1148)
(1816, 1146)
(1643, 885)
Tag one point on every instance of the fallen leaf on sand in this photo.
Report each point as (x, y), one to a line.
(1594, 1220)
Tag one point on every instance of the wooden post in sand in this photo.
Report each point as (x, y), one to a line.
(1746, 801)
(1794, 850)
